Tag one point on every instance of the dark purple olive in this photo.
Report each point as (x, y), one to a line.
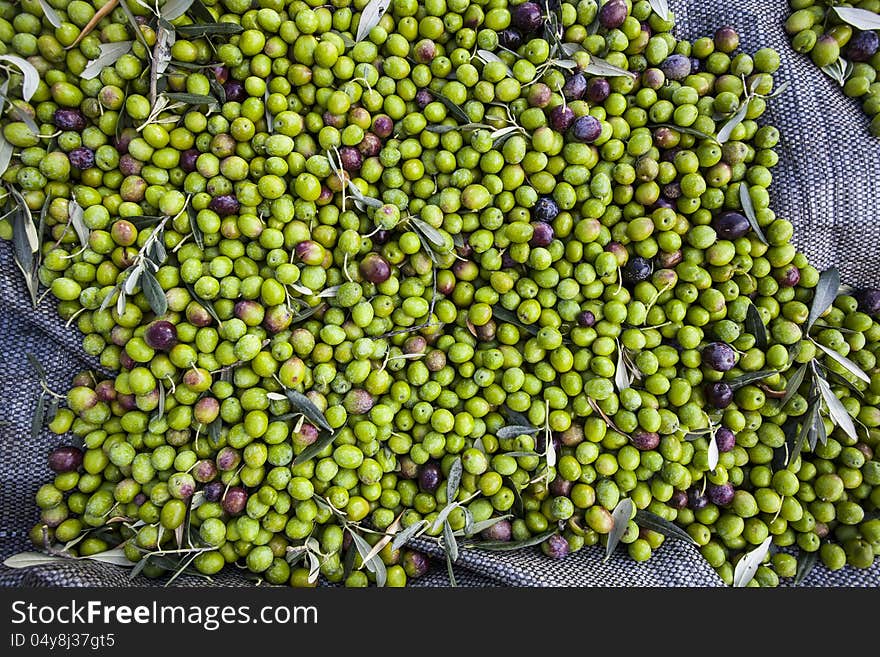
(69, 119)
(726, 39)
(227, 459)
(424, 51)
(679, 499)
(719, 394)
(370, 145)
(598, 90)
(725, 439)
(81, 158)
(668, 260)
(307, 435)
(350, 158)
(510, 39)
(358, 401)
(383, 126)
(653, 78)
(415, 563)
(500, 531)
(861, 47)
(645, 440)
(423, 98)
(224, 205)
(507, 261)
(719, 356)
(277, 319)
(221, 73)
(126, 361)
(586, 129)
(789, 277)
(561, 118)
(720, 494)
(129, 166)
(676, 67)
(575, 87)
(697, 499)
(545, 210)
(333, 120)
(161, 335)
(637, 269)
(375, 268)
(560, 487)
(612, 14)
(106, 391)
(140, 498)
(235, 500)
(586, 319)
(214, 491)
(542, 234)
(869, 301)
(429, 477)
(235, 91)
(122, 142)
(65, 459)
(672, 190)
(204, 471)
(555, 547)
(539, 95)
(527, 17)
(696, 65)
(731, 225)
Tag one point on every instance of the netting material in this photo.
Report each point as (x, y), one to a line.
(826, 185)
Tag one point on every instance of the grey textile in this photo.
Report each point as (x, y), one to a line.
(827, 184)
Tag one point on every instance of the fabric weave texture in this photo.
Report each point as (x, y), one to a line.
(827, 184)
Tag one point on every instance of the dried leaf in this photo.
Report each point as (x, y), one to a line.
(755, 325)
(454, 480)
(745, 199)
(836, 410)
(370, 17)
(738, 117)
(110, 52)
(510, 546)
(805, 564)
(823, 295)
(845, 362)
(861, 18)
(660, 8)
(29, 72)
(514, 430)
(604, 69)
(655, 523)
(748, 565)
(50, 14)
(154, 293)
(620, 516)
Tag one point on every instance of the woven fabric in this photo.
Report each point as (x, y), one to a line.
(825, 184)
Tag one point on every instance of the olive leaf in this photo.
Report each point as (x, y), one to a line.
(660, 8)
(204, 303)
(431, 234)
(198, 11)
(75, 212)
(6, 150)
(839, 71)
(823, 296)
(505, 315)
(450, 570)
(154, 293)
(209, 29)
(712, 453)
(805, 564)
(749, 377)
(191, 99)
(620, 518)
(404, 536)
(133, 24)
(372, 563)
(450, 544)
(755, 325)
(50, 14)
(454, 480)
(477, 527)
(737, 118)
(844, 362)
(370, 17)
(26, 243)
(745, 200)
(794, 382)
(748, 565)
(655, 523)
(860, 18)
(489, 56)
(29, 72)
(306, 406)
(570, 48)
(683, 129)
(30, 559)
(110, 52)
(39, 416)
(602, 68)
(457, 112)
(514, 430)
(836, 410)
(510, 546)
(622, 377)
(174, 9)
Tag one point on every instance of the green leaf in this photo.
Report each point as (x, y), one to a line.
(304, 405)
(372, 563)
(749, 377)
(38, 367)
(684, 130)
(198, 11)
(503, 314)
(483, 525)
(620, 516)
(133, 24)
(110, 52)
(209, 29)
(660, 8)
(450, 544)
(450, 571)
(745, 199)
(515, 430)
(191, 99)
(805, 564)
(836, 410)
(604, 69)
(39, 416)
(172, 9)
(755, 325)
(6, 150)
(622, 377)
(844, 362)
(404, 536)
(510, 546)
(154, 293)
(488, 56)
(738, 117)
(794, 383)
(431, 233)
(370, 17)
(655, 523)
(861, 18)
(29, 72)
(748, 565)
(76, 213)
(823, 295)
(454, 480)
(30, 559)
(204, 303)
(50, 13)
(457, 112)
(315, 448)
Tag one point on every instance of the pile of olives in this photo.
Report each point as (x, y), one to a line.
(817, 30)
(477, 268)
